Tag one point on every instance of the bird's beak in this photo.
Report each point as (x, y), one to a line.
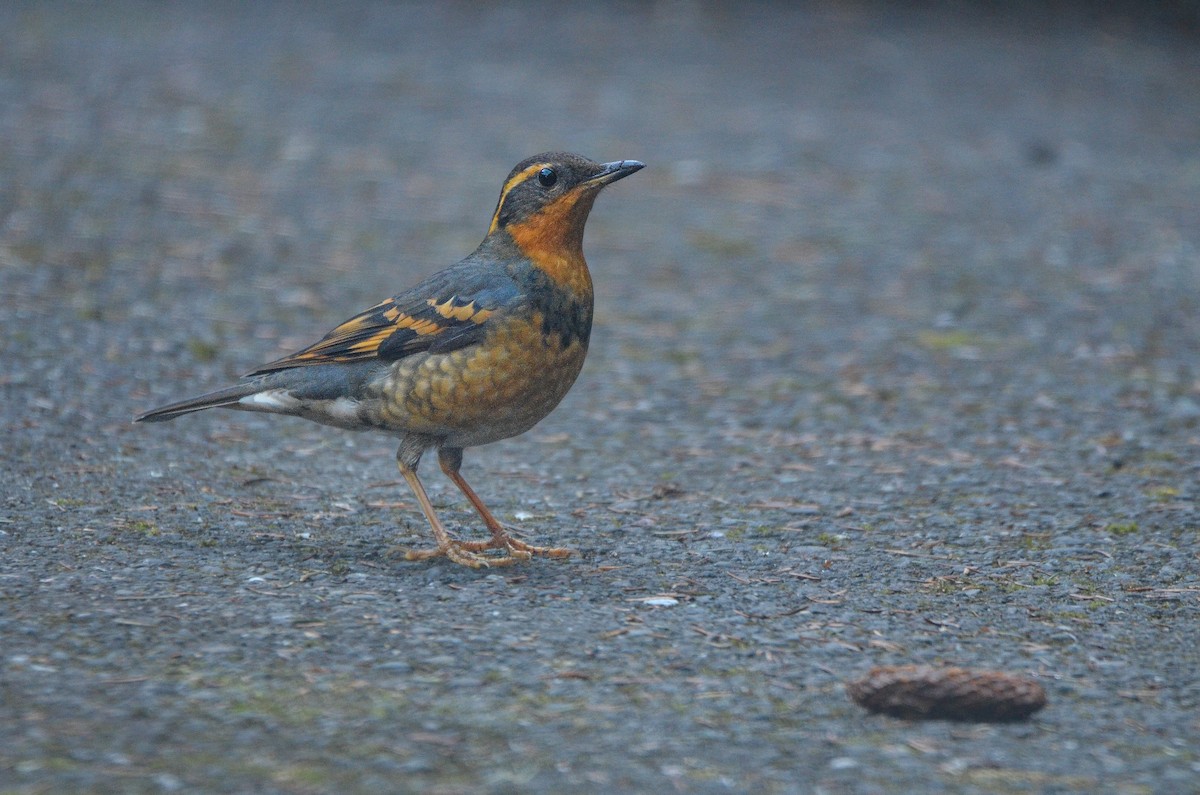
(619, 169)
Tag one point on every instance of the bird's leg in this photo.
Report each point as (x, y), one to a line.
(450, 459)
(454, 550)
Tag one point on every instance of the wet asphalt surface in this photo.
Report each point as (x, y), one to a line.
(896, 360)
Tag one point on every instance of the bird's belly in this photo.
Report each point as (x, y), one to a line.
(482, 393)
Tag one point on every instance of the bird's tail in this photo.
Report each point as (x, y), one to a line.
(227, 397)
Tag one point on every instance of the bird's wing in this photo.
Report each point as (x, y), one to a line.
(450, 310)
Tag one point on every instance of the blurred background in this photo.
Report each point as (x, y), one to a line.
(915, 277)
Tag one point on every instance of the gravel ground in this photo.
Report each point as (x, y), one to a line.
(896, 360)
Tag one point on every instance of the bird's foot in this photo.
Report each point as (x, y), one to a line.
(470, 553)
(460, 553)
(518, 549)
(515, 547)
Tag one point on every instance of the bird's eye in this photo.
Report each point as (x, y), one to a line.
(547, 177)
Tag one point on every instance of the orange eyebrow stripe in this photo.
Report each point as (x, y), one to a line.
(516, 180)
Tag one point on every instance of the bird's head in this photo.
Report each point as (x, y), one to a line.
(546, 199)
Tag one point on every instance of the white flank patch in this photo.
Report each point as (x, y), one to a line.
(339, 411)
(271, 400)
(343, 408)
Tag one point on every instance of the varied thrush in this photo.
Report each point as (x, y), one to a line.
(478, 352)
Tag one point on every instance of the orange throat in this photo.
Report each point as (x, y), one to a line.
(552, 239)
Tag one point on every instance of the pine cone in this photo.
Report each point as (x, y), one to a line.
(921, 691)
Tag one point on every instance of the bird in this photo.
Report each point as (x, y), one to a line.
(475, 353)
